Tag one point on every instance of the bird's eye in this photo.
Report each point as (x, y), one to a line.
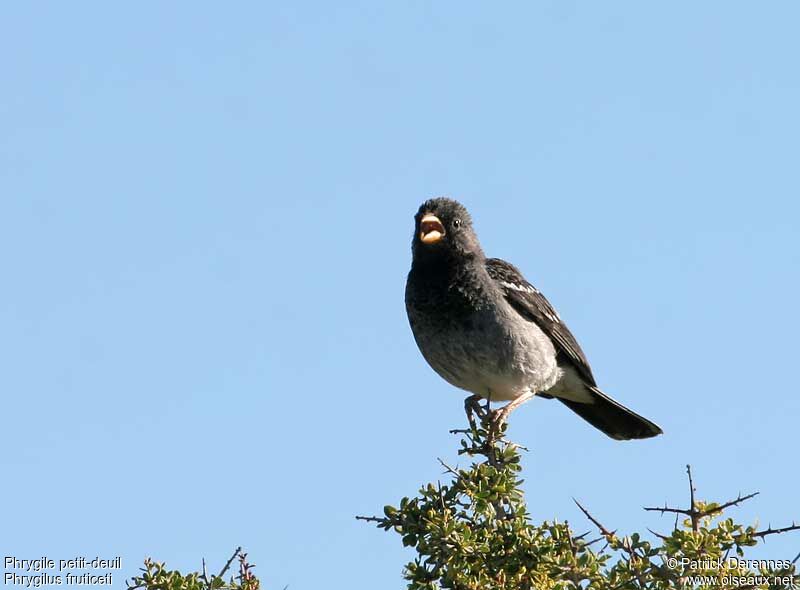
(456, 223)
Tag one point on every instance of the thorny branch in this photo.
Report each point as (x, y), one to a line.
(609, 535)
(695, 519)
(603, 530)
(236, 554)
(210, 582)
(697, 515)
(770, 531)
(246, 577)
(692, 512)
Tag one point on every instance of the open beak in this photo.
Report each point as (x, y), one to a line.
(431, 229)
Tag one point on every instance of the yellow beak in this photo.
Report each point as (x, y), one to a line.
(431, 229)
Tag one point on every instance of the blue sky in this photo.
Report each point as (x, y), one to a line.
(205, 228)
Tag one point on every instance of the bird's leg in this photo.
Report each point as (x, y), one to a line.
(472, 408)
(501, 415)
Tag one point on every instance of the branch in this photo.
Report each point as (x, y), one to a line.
(370, 518)
(603, 530)
(693, 513)
(246, 575)
(597, 540)
(576, 577)
(666, 508)
(447, 467)
(204, 576)
(770, 531)
(610, 535)
(659, 535)
(739, 499)
(230, 561)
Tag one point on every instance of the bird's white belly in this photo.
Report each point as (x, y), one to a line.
(498, 387)
(530, 375)
(522, 361)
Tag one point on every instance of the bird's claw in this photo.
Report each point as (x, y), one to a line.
(491, 420)
(496, 419)
(472, 407)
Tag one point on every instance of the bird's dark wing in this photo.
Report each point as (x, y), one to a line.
(533, 306)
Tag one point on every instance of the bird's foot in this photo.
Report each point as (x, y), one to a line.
(500, 416)
(473, 408)
(496, 420)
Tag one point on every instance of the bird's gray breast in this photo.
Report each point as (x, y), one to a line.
(477, 342)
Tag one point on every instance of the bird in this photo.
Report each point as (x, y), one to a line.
(485, 329)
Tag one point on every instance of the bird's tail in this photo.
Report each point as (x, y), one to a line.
(610, 416)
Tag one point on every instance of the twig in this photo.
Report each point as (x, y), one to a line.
(603, 530)
(659, 535)
(230, 561)
(722, 507)
(698, 514)
(666, 508)
(245, 571)
(593, 541)
(770, 531)
(447, 467)
(576, 578)
(205, 575)
(693, 513)
(468, 432)
(609, 535)
(370, 518)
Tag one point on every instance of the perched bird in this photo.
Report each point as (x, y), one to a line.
(485, 329)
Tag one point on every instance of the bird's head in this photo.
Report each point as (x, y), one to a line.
(443, 229)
